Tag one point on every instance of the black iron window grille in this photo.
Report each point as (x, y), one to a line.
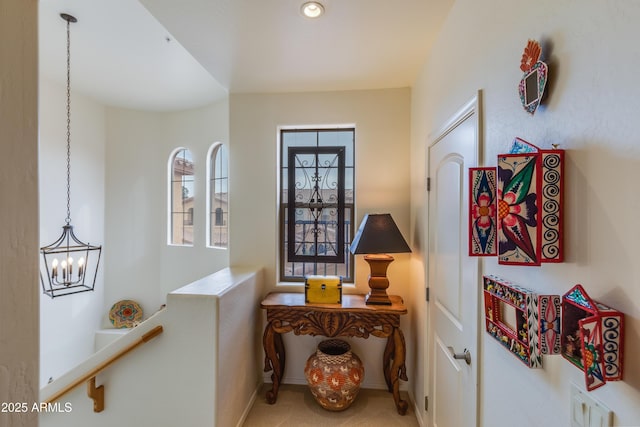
(316, 198)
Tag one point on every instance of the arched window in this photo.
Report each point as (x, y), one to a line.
(217, 197)
(181, 193)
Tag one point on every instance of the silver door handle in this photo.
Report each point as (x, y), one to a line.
(465, 355)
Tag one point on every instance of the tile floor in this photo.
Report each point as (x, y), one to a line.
(296, 407)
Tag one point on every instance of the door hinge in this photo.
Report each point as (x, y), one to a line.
(426, 403)
(428, 184)
(427, 294)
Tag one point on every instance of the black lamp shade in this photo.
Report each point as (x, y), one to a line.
(378, 234)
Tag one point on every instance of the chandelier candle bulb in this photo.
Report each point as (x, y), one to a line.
(54, 268)
(70, 266)
(80, 267)
(63, 265)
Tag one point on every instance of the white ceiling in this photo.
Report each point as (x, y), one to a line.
(123, 55)
(120, 56)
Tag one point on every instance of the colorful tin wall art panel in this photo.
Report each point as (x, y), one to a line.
(530, 205)
(591, 352)
(612, 341)
(521, 338)
(552, 205)
(518, 202)
(592, 338)
(482, 212)
(549, 306)
(533, 82)
(520, 146)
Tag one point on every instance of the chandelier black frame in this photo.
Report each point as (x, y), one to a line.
(59, 275)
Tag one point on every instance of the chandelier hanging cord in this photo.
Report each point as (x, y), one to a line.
(69, 20)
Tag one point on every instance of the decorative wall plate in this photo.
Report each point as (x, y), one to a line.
(125, 314)
(534, 80)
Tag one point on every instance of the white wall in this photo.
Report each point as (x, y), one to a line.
(141, 265)
(200, 371)
(19, 213)
(382, 125)
(68, 324)
(591, 48)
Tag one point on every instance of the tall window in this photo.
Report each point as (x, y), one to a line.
(181, 185)
(218, 196)
(317, 202)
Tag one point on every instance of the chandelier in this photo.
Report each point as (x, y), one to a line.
(69, 265)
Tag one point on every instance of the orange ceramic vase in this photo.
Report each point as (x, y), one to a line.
(334, 374)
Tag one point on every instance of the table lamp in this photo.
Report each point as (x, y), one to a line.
(377, 237)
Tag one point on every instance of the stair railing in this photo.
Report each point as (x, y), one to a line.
(97, 393)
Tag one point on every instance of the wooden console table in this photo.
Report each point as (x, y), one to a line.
(287, 312)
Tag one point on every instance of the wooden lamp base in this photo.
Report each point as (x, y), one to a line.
(378, 281)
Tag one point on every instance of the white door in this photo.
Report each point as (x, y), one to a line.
(453, 277)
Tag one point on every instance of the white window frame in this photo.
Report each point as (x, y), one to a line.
(170, 163)
(214, 150)
(286, 281)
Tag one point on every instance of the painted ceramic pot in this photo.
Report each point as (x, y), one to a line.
(334, 374)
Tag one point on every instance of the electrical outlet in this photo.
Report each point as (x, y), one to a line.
(588, 412)
(579, 409)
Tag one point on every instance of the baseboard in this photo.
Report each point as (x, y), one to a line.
(418, 410)
(247, 409)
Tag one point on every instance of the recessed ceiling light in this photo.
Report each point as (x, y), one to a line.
(312, 9)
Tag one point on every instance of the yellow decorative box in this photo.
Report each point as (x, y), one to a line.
(323, 289)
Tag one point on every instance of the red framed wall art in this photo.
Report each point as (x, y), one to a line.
(530, 195)
(511, 317)
(592, 337)
(483, 232)
(550, 322)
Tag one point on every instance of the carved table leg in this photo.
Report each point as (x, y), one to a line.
(389, 350)
(274, 360)
(398, 369)
(280, 352)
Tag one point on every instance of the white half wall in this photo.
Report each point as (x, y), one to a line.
(200, 371)
(381, 119)
(590, 111)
